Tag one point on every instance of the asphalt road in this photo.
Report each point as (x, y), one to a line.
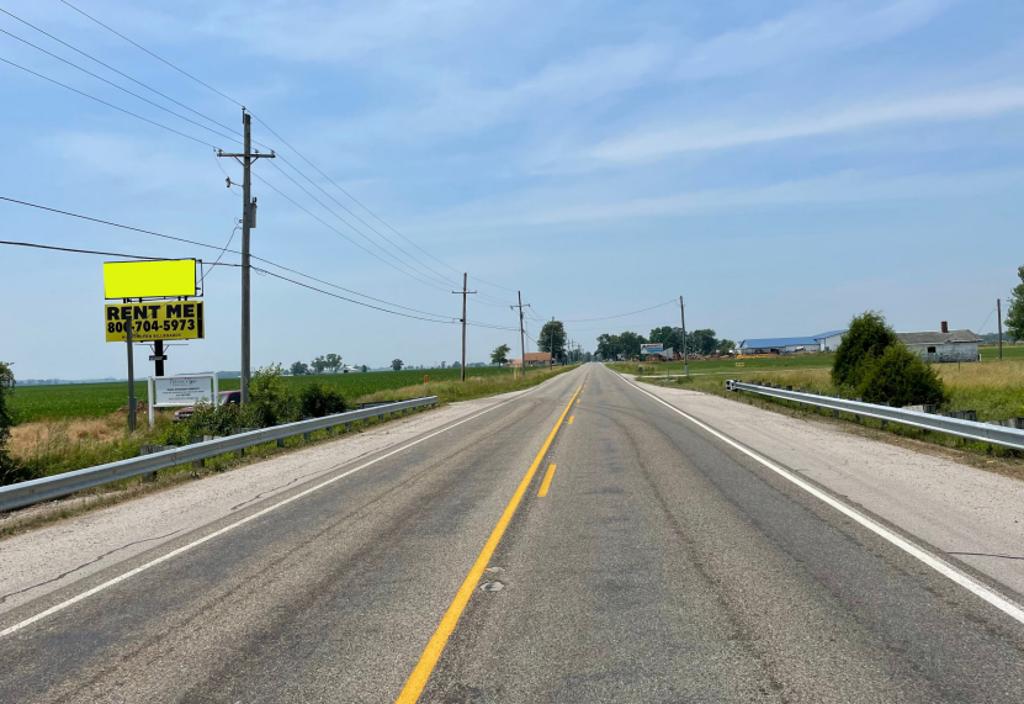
(661, 565)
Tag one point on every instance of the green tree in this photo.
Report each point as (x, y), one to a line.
(500, 354)
(668, 336)
(7, 469)
(864, 342)
(333, 361)
(364, 368)
(397, 364)
(608, 346)
(629, 343)
(1015, 311)
(900, 378)
(725, 346)
(552, 339)
(701, 341)
(319, 364)
(299, 368)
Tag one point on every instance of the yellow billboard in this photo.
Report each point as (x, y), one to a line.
(162, 278)
(155, 320)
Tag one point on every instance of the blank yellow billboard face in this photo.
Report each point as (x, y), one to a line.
(156, 279)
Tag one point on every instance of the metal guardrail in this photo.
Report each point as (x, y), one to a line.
(972, 430)
(45, 488)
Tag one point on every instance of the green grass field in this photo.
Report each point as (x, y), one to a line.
(30, 403)
(991, 352)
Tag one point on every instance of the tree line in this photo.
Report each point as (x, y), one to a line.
(702, 342)
(324, 363)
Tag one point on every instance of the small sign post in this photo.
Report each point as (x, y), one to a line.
(180, 391)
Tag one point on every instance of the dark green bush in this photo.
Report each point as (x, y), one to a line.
(269, 399)
(9, 473)
(316, 401)
(864, 342)
(900, 378)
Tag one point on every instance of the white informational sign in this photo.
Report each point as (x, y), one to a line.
(652, 348)
(178, 391)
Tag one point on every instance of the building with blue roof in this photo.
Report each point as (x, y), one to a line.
(822, 342)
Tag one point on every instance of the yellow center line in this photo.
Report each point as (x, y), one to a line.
(435, 646)
(546, 484)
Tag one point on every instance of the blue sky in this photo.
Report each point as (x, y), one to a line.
(784, 165)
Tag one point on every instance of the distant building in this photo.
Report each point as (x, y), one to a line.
(534, 359)
(943, 346)
(822, 342)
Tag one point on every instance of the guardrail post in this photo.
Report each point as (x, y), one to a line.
(280, 442)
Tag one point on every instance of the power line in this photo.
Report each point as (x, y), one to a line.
(435, 317)
(297, 153)
(109, 67)
(339, 232)
(107, 103)
(440, 277)
(621, 315)
(206, 245)
(154, 55)
(119, 87)
(75, 250)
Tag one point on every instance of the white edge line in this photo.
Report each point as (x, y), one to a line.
(1010, 608)
(251, 517)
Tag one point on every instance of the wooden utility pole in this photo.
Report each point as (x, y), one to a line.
(999, 318)
(522, 334)
(682, 321)
(464, 292)
(246, 159)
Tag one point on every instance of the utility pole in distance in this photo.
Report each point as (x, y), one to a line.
(464, 292)
(682, 321)
(246, 159)
(522, 335)
(999, 317)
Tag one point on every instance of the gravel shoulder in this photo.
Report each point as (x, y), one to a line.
(42, 560)
(973, 516)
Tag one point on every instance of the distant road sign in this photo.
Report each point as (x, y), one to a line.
(154, 320)
(652, 348)
(164, 278)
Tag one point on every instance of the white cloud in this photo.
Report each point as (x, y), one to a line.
(547, 208)
(318, 31)
(808, 31)
(652, 144)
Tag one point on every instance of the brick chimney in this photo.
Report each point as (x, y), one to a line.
(945, 326)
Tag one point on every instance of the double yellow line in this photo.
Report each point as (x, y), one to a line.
(435, 646)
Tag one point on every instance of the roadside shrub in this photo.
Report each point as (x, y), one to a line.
(865, 341)
(269, 399)
(9, 473)
(900, 378)
(316, 401)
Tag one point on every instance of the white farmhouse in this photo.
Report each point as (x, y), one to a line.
(943, 346)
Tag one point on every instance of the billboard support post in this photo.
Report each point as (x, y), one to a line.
(158, 361)
(131, 375)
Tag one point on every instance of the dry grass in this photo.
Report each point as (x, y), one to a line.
(30, 440)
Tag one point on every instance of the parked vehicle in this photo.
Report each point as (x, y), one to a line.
(223, 398)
